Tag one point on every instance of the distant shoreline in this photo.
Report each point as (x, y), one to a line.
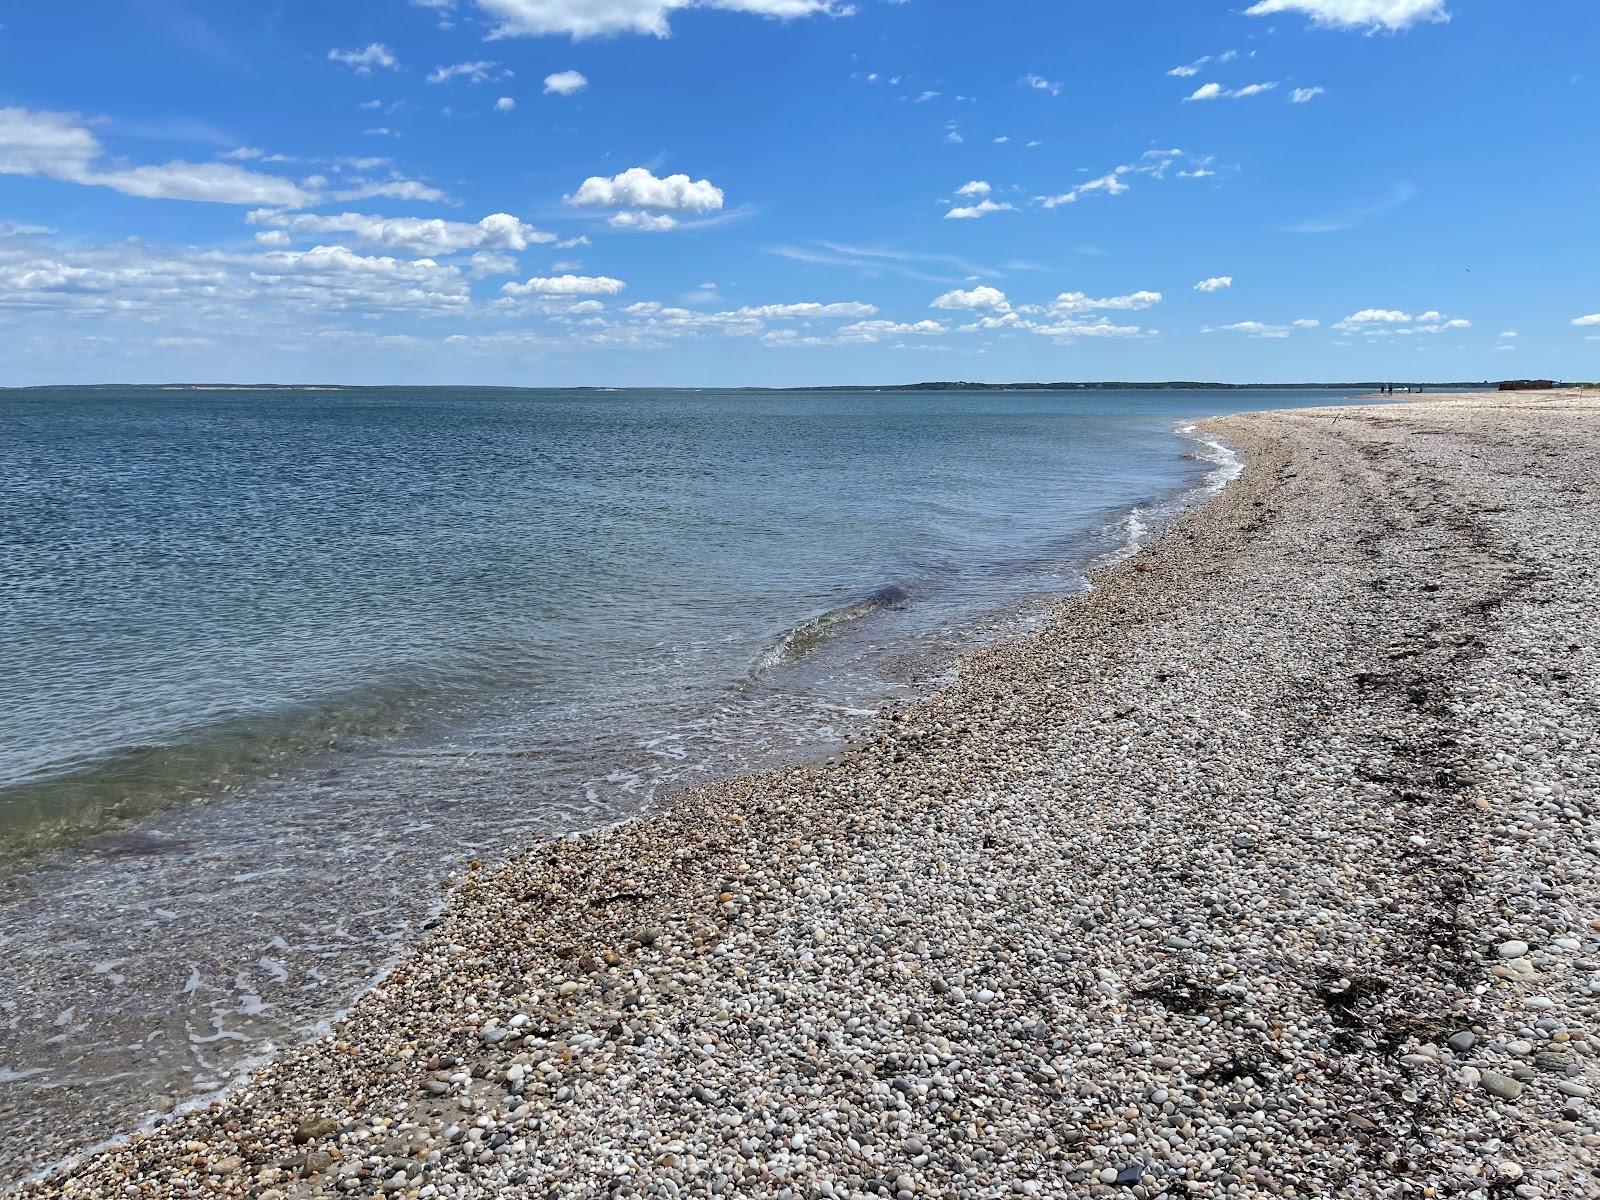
(930, 386)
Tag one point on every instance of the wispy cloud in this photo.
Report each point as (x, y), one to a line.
(1215, 91)
(1190, 70)
(1402, 194)
(376, 54)
(883, 260)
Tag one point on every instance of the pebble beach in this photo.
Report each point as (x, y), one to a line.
(1270, 867)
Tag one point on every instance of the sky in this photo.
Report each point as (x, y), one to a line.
(794, 192)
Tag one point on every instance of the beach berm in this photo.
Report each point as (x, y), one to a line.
(1269, 868)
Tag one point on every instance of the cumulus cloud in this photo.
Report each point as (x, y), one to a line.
(1077, 302)
(565, 83)
(1041, 84)
(1357, 14)
(1215, 284)
(421, 235)
(975, 299)
(643, 222)
(1206, 91)
(1591, 319)
(1393, 322)
(57, 145)
(129, 279)
(638, 188)
(362, 61)
(486, 263)
(1305, 95)
(505, 104)
(807, 310)
(861, 333)
(983, 208)
(1255, 329)
(976, 187)
(1374, 316)
(565, 285)
(586, 18)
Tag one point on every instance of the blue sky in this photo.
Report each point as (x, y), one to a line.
(729, 192)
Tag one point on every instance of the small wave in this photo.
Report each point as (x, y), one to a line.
(807, 636)
(1225, 464)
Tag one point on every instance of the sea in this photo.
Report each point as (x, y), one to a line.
(275, 662)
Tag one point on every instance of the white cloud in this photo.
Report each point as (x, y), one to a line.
(1305, 95)
(420, 235)
(983, 208)
(505, 104)
(1357, 14)
(1040, 83)
(1215, 284)
(565, 83)
(807, 310)
(566, 285)
(1374, 316)
(975, 188)
(442, 10)
(1392, 322)
(486, 263)
(1511, 333)
(375, 55)
(598, 18)
(1069, 328)
(473, 72)
(1259, 329)
(1255, 329)
(643, 222)
(1190, 70)
(1154, 163)
(1591, 319)
(1076, 302)
(389, 189)
(56, 145)
(1215, 91)
(638, 188)
(229, 291)
(861, 333)
(975, 300)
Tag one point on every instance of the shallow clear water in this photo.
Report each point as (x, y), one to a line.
(275, 661)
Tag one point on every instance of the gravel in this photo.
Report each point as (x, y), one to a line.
(1203, 890)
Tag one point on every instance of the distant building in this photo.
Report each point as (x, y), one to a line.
(1527, 385)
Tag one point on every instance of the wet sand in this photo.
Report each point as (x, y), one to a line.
(1271, 867)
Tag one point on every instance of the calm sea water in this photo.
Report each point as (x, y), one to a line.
(275, 660)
